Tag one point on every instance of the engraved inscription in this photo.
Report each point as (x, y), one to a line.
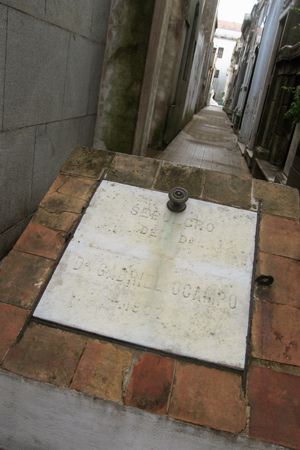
(132, 278)
(206, 296)
(138, 273)
(129, 277)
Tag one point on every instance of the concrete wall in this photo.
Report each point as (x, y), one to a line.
(155, 53)
(185, 68)
(169, 72)
(152, 72)
(50, 66)
(194, 81)
(123, 73)
(180, 99)
(36, 416)
(275, 132)
(207, 30)
(261, 75)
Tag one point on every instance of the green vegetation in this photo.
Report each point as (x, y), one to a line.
(294, 111)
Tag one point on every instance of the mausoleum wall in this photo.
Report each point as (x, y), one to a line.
(51, 57)
(118, 386)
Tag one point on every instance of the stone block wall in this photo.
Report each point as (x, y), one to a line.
(51, 57)
(123, 74)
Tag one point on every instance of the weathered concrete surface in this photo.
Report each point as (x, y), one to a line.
(51, 57)
(261, 76)
(71, 15)
(155, 53)
(51, 150)
(209, 143)
(86, 130)
(33, 7)
(132, 272)
(81, 57)
(207, 30)
(16, 155)
(123, 74)
(35, 70)
(169, 71)
(166, 385)
(43, 416)
(177, 63)
(3, 29)
(84, 64)
(186, 83)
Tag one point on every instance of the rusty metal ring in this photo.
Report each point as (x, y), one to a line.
(265, 280)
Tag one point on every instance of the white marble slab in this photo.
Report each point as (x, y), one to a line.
(136, 272)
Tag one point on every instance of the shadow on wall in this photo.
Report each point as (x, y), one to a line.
(50, 66)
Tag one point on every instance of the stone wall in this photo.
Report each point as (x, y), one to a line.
(175, 119)
(50, 66)
(275, 131)
(123, 74)
(207, 30)
(151, 76)
(169, 72)
(185, 67)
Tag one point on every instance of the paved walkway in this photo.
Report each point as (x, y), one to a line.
(208, 142)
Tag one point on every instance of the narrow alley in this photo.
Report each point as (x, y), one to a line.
(208, 142)
(149, 225)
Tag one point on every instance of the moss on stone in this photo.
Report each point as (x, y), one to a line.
(126, 65)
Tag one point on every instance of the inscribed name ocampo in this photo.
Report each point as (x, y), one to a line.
(137, 272)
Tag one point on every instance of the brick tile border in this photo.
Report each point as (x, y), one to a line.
(276, 333)
(46, 354)
(275, 407)
(150, 383)
(22, 276)
(208, 397)
(12, 320)
(286, 274)
(280, 236)
(101, 370)
(196, 393)
(41, 241)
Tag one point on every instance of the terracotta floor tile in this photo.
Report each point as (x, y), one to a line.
(150, 383)
(133, 170)
(286, 274)
(21, 278)
(190, 179)
(101, 370)
(82, 188)
(277, 199)
(280, 236)
(41, 241)
(227, 189)
(276, 333)
(208, 397)
(64, 221)
(57, 183)
(58, 203)
(12, 320)
(88, 162)
(46, 354)
(275, 407)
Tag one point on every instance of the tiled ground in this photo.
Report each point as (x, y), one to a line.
(263, 402)
(207, 142)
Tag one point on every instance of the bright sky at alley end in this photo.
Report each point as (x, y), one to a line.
(234, 10)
